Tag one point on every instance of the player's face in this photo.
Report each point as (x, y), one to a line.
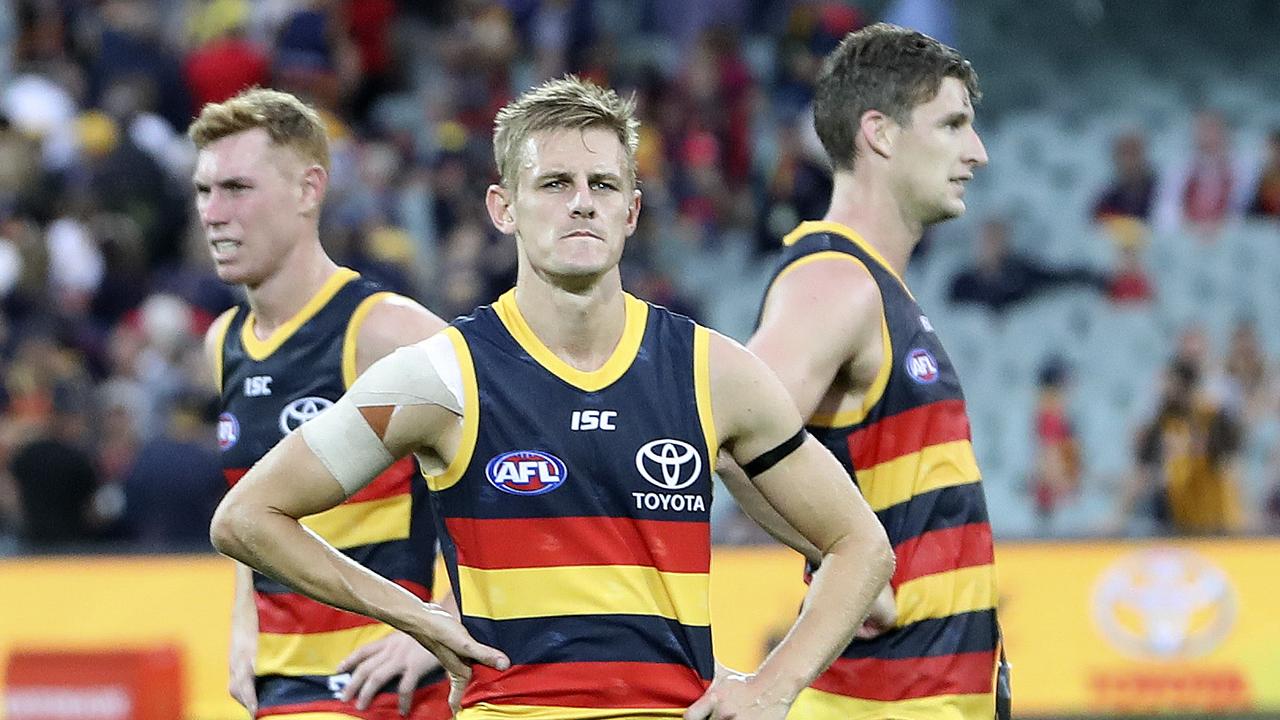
(937, 154)
(249, 195)
(573, 207)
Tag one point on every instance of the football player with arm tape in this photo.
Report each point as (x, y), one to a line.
(333, 456)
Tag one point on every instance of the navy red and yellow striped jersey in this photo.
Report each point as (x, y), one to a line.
(269, 388)
(908, 448)
(575, 518)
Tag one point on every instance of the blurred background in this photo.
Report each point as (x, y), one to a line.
(1110, 299)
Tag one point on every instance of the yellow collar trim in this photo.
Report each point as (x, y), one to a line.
(260, 350)
(637, 314)
(810, 227)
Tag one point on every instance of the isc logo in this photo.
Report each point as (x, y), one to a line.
(593, 420)
(257, 386)
(526, 472)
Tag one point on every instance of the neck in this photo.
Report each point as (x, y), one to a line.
(871, 210)
(279, 297)
(581, 326)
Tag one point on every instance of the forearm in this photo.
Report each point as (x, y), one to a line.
(244, 612)
(280, 547)
(756, 507)
(853, 572)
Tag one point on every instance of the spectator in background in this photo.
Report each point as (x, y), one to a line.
(1248, 375)
(1129, 284)
(1132, 190)
(224, 61)
(1056, 474)
(1266, 196)
(1186, 460)
(1202, 193)
(164, 509)
(1003, 277)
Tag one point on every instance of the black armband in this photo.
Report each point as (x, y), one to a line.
(775, 456)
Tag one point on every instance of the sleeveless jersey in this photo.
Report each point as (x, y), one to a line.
(268, 389)
(908, 449)
(575, 518)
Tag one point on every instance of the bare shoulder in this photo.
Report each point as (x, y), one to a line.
(392, 322)
(832, 289)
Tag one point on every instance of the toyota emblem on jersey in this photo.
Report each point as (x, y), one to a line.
(526, 472)
(300, 411)
(921, 366)
(668, 463)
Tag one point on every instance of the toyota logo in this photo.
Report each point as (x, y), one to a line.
(300, 411)
(669, 464)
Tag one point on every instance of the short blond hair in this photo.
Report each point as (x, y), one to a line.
(568, 103)
(288, 121)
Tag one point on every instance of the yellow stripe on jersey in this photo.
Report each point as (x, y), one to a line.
(470, 416)
(221, 340)
(312, 653)
(637, 314)
(584, 590)
(260, 350)
(486, 711)
(821, 226)
(816, 257)
(900, 479)
(702, 390)
(353, 333)
(818, 705)
(363, 523)
(946, 593)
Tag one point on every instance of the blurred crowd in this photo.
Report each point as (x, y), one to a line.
(106, 435)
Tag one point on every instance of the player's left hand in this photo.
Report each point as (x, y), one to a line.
(737, 696)
(374, 665)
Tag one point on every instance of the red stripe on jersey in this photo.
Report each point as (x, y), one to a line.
(889, 680)
(294, 614)
(588, 684)
(429, 703)
(908, 432)
(943, 550)
(393, 481)
(669, 546)
(233, 475)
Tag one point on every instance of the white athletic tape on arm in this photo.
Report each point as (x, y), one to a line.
(347, 446)
(425, 373)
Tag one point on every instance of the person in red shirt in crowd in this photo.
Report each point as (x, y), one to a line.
(1056, 475)
(226, 63)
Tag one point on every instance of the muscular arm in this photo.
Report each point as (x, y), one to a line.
(810, 491)
(807, 350)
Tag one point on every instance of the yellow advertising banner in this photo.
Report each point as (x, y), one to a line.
(1189, 626)
(1097, 628)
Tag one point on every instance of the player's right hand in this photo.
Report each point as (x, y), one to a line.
(241, 680)
(456, 650)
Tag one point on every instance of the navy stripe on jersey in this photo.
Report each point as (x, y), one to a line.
(598, 638)
(940, 509)
(276, 690)
(959, 633)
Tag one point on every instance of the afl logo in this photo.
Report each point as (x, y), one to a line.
(669, 464)
(526, 472)
(922, 367)
(300, 411)
(228, 431)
